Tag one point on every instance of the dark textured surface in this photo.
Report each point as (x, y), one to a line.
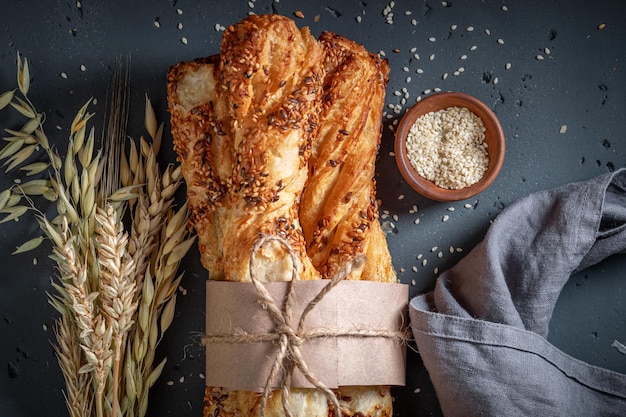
(580, 83)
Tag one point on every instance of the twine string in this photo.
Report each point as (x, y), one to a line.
(288, 355)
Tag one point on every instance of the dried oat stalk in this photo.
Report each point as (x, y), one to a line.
(117, 240)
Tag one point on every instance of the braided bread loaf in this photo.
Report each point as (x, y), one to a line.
(278, 135)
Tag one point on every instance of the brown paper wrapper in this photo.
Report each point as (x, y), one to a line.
(361, 322)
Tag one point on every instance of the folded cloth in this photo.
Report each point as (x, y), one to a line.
(482, 331)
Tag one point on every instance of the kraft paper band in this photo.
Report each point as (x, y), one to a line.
(362, 324)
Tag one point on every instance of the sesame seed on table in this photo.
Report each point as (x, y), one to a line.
(554, 73)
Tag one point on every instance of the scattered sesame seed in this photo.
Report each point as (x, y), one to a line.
(402, 270)
(251, 5)
(473, 48)
(201, 375)
(405, 69)
(546, 50)
(408, 13)
(601, 26)
(436, 89)
(427, 91)
(170, 383)
(179, 11)
(414, 268)
(45, 327)
(358, 19)
(469, 28)
(504, 8)
(157, 24)
(451, 249)
(424, 262)
(495, 80)
(412, 282)
(487, 32)
(461, 69)
(444, 76)
(463, 57)
(436, 271)
(563, 129)
(183, 40)
(83, 68)
(416, 56)
(408, 80)
(419, 256)
(450, 209)
(453, 27)
(395, 217)
(459, 250)
(431, 57)
(432, 39)
(440, 254)
(401, 197)
(179, 26)
(419, 71)
(63, 75)
(445, 218)
(416, 221)
(434, 248)
(539, 57)
(456, 73)
(299, 14)
(507, 66)
(181, 379)
(417, 390)
(413, 49)
(467, 205)
(501, 41)
(414, 22)
(35, 261)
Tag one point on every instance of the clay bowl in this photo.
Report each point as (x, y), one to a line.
(494, 137)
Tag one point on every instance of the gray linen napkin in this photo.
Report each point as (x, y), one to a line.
(481, 331)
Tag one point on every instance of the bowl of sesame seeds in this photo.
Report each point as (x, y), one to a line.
(449, 146)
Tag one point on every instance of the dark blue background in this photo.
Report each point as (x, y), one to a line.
(580, 84)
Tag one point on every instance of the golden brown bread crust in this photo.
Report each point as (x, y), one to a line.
(246, 141)
(338, 213)
(281, 138)
(190, 86)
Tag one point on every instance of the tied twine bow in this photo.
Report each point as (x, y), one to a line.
(290, 338)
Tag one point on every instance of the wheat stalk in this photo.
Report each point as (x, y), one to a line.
(117, 286)
(115, 290)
